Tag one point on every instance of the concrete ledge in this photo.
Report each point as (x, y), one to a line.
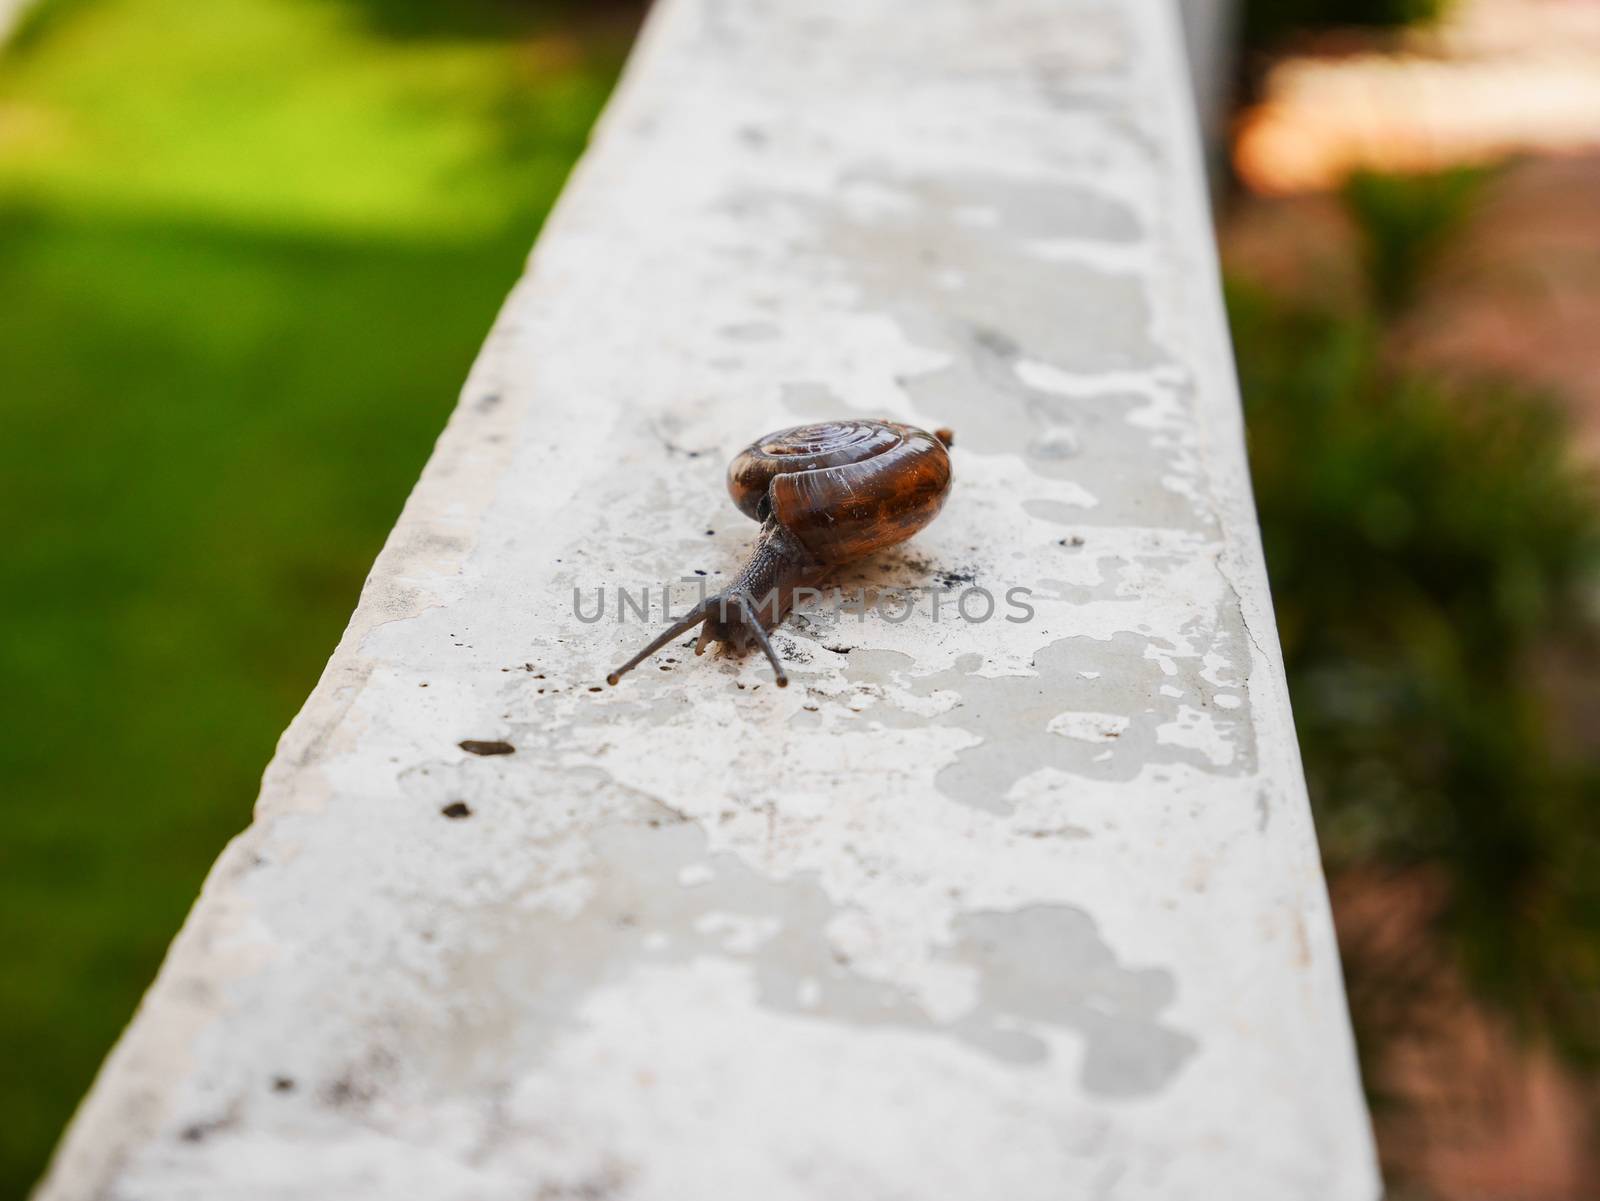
(987, 909)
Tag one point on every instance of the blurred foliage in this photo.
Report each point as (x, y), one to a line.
(1406, 222)
(1264, 23)
(1432, 548)
(244, 245)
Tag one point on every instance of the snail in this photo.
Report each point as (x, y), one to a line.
(825, 494)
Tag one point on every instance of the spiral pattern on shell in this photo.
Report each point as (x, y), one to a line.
(844, 489)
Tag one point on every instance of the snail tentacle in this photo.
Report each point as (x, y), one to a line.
(753, 624)
(691, 619)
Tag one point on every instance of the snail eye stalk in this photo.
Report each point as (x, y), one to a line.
(693, 618)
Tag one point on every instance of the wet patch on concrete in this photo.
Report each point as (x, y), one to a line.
(1104, 709)
(654, 895)
(963, 264)
(946, 281)
(1047, 964)
(1030, 209)
(751, 331)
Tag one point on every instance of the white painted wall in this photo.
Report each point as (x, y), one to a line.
(998, 910)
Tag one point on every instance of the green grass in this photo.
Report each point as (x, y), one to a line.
(248, 249)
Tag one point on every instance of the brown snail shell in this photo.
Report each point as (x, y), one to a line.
(826, 494)
(844, 489)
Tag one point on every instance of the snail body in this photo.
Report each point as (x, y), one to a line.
(826, 495)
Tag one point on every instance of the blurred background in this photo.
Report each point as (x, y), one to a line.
(248, 249)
